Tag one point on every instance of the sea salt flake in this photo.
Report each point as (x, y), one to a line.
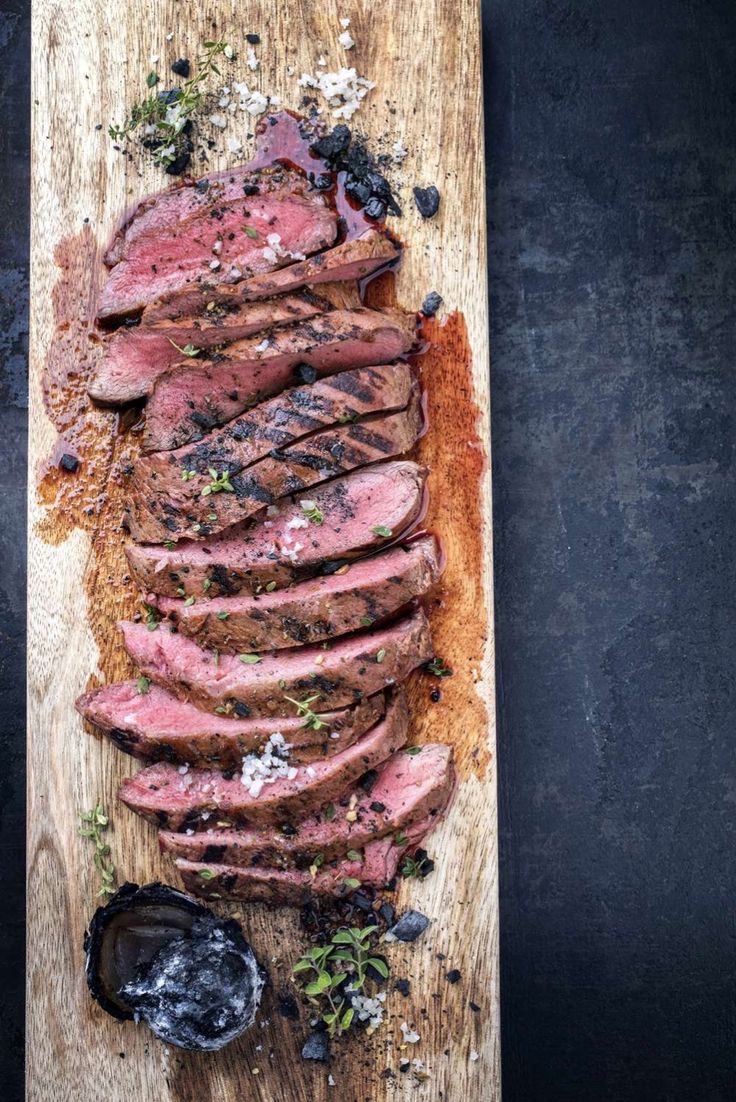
(346, 40)
(219, 121)
(410, 1035)
(253, 61)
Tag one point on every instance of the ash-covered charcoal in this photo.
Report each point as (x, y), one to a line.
(427, 200)
(409, 927)
(155, 954)
(431, 304)
(331, 147)
(317, 1047)
(403, 987)
(181, 67)
(199, 991)
(365, 185)
(305, 373)
(69, 462)
(287, 1005)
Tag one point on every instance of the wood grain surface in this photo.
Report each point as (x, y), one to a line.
(90, 59)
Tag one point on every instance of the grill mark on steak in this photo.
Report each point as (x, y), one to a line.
(252, 555)
(346, 672)
(313, 459)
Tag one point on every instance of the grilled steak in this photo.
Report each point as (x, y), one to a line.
(182, 801)
(260, 552)
(135, 357)
(352, 668)
(334, 270)
(159, 727)
(369, 592)
(354, 259)
(284, 471)
(237, 235)
(190, 399)
(408, 792)
(172, 491)
(293, 887)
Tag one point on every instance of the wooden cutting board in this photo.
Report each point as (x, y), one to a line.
(90, 62)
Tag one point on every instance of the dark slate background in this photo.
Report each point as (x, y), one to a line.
(611, 132)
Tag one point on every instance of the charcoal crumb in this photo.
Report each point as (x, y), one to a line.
(375, 209)
(69, 462)
(333, 144)
(322, 181)
(403, 987)
(454, 975)
(474, 1007)
(287, 1005)
(254, 39)
(305, 373)
(387, 912)
(427, 200)
(362, 902)
(431, 304)
(410, 926)
(181, 67)
(317, 1047)
(377, 806)
(435, 696)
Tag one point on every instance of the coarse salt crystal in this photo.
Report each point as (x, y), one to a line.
(410, 1035)
(219, 121)
(253, 61)
(214, 265)
(297, 522)
(217, 247)
(399, 152)
(321, 61)
(183, 769)
(474, 1055)
(234, 145)
(344, 22)
(346, 40)
(265, 343)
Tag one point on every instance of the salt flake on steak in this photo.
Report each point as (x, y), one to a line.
(268, 766)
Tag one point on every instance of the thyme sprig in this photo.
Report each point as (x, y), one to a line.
(188, 349)
(219, 483)
(336, 972)
(165, 116)
(311, 720)
(93, 825)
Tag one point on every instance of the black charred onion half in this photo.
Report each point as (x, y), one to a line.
(154, 954)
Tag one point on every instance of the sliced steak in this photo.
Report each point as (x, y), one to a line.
(189, 800)
(159, 727)
(170, 492)
(352, 668)
(367, 592)
(407, 792)
(235, 234)
(135, 357)
(353, 259)
(284, 471)
(293, 887)
(260, 552)
(191, 399)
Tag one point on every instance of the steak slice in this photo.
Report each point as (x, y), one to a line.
(293, 887)
(170, 492)
(189, 800)
(353, 259)
(159, 727)
(189, 400)
(368, 592)
(407, 791)
(352, 668)
(241, 235)
(284, 471)
(260, 552)
(135, 357)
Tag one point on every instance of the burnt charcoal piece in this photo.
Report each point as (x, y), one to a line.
(333, 144)
(69, 462)
(181, 67)
(427, 200)
(153, 953)
(304, 373)
(317, 1047)
(454, 975)
(323, 181)
(410, 926)
(431, 304)
(254, 39)
(287, 1005)
(376, 209)
(403, 987)
(200, 992)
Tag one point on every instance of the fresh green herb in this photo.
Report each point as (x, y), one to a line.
(400, 839)
(189, 601)
(187, 476)
(381, 655)
(207, 874)
(351, 882)
(249, 659)
(335, 972)
(353, 855)
(223, 615)
(181, 591)
(251, 231)
(187, 350)
(270, 587)
(153, 616)
(330, 812)
(311, 721)
(165, 123)
(212, 516)
(169, 545)
(311, 512)
(93, 826)
(382, 530)
(437, 667)
(144, 684)
(206, 585)
(413, 750)
(219, 483)
(413, 868)
(221, 710)
(367, 621)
